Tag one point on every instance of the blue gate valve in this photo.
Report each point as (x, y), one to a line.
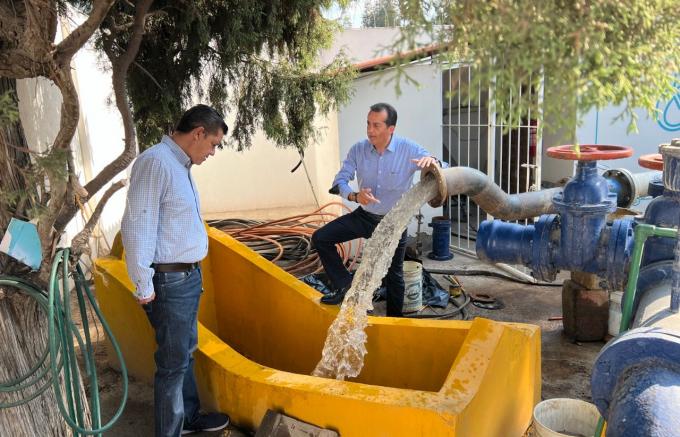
(664, 210)
(578, 237)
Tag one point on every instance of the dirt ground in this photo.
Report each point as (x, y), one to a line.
(565, 364)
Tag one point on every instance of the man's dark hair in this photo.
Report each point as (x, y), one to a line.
(391, 112)
(202, 116)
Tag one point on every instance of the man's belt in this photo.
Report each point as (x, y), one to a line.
(373, 216)
(174, 267)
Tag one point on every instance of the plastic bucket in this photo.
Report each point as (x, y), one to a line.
(615, 312)
(413, 284)
(565, 417)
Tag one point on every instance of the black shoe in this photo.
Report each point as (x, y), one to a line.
(207, 422)
(335, 297)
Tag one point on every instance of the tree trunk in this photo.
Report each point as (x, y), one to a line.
(15, 164)
(23, 335)
(23, 325)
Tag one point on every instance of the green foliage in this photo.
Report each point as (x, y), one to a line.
(252, 59)
(381, 13)
(48, 166)
(287, 99)
(9, 113)
(593, 53)
(19, 181)
(53, 164)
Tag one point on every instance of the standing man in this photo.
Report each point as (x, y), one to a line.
(384, 165)
(165, 240)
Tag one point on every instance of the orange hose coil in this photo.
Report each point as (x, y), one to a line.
(301, 225)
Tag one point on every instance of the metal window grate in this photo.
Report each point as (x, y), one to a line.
(510, 153)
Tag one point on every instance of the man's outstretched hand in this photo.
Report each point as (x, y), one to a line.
(424, 161)
(365, 197)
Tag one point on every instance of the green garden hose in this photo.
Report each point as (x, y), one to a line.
(59, 357)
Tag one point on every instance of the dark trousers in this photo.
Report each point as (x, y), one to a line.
(359, 224)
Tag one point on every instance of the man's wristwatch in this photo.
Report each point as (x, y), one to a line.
(352, 197)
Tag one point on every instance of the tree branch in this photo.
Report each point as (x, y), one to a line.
(70, 108)
(121, 66)
(79, 243)
(77, 39)
(149, 75)
(59, 186)
(41, 26)
(27, 32)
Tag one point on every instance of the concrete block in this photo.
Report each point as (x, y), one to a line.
(587, 280)
(279, 425)
(585, 311)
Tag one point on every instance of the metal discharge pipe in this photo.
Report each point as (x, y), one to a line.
(489, 196)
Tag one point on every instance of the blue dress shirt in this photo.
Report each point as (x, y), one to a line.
(388, 175)
(162, 220)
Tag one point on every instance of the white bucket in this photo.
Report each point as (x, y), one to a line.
(413, 284)
(565, 417)
(615, 299)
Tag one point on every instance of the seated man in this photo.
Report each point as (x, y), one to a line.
(384, 165)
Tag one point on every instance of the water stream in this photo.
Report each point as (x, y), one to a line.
(345, 346)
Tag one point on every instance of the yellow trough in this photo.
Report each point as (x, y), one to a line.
(261, 332)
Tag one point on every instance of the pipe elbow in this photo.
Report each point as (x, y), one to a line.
(436, 172)
(485, 193)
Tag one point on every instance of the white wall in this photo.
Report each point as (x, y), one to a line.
(257, 183)
(419, 116)
(600, 127)
(361, 44)
(368, 43)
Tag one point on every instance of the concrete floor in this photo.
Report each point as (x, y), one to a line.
(565, 370)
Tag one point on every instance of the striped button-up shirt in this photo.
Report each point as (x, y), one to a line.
(388, 175)
(162, 220)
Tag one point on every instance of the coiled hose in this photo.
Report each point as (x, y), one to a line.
(287, 242)
(59, 359)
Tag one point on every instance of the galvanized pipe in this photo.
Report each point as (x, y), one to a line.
(629, 186)
(489, 196)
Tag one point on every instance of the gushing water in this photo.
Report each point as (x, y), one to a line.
(345, 347)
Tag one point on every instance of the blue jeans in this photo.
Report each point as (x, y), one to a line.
(173, 315)
(359, 224)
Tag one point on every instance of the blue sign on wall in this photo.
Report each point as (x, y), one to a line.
(21, 241)
(669, 113)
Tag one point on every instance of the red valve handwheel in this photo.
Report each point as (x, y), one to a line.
(653, 161)
(590, 152)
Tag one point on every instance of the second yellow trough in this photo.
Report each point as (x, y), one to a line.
(261, 332)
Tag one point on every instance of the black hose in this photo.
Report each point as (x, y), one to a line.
(460, 309)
